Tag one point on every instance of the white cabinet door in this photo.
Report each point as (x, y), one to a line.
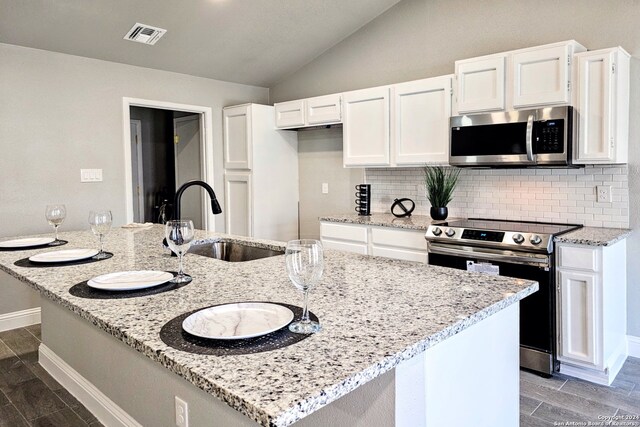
(579, 317)
(237, 137)
(541, 76)
(366, 127)
(324, 110)
(397, 253)
(480, 84)
(238, 207)
(603, 106)
(290, 114)
(340, 245)
(420, 122)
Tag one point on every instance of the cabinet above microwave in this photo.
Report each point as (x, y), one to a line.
(526, 78)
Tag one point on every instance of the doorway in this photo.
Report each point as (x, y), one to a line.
(166, 145)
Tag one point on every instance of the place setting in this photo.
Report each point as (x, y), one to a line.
(100, 222)
(55, 215)
(253, 326)
(138, 283)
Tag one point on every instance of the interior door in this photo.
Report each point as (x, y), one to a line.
(188, 155)
(136, 170)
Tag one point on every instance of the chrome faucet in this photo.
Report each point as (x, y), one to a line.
(215, 206)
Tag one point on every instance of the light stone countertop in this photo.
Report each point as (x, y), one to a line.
(406, 307)
(591, 236)
(594, 236)
(414, 222)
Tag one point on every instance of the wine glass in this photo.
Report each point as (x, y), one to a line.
(179, 234)
(304, 266)
(100, 222)
(55, 215)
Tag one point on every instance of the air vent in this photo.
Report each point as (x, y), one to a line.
(143, 33)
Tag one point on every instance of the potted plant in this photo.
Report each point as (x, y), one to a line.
(439, 183)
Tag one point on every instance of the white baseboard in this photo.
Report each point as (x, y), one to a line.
(634, 346)
(103, 408)
(19, 319)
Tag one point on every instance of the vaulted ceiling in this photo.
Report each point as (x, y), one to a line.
(257, 42)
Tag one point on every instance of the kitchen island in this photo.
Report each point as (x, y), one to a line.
(402, 343)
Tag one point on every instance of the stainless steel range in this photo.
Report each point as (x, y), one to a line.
(509, 248)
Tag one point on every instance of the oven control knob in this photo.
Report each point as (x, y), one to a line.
(450, 232)
(535, 239)
(518, 238)
(436, 231)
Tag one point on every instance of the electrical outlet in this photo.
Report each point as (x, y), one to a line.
(325, 188)
(603, 193)
(182, 413)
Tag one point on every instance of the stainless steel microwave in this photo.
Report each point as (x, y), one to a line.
(526, 138)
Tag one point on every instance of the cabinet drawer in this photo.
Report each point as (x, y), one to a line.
(578, 258)
(343, 232)
(358, 248)
(403, 254)
(399, 238)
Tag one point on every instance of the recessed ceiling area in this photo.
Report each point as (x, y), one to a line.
(257, 42)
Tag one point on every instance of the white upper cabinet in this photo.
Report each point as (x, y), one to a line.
(480, 84)
(324, 110)
(603, 106)
(526, 78)
(366, 127)
(321, 110)
(237, 137)
(420, 124)
(542, 76)
(290, 114)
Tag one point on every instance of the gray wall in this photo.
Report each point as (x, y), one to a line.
(320, 161)
(423, 38)
(60, 113)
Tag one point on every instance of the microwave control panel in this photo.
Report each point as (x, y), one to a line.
(550, 136)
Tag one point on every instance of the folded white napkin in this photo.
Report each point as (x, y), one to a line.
(138, 225)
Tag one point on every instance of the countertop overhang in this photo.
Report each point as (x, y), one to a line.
(375, 313)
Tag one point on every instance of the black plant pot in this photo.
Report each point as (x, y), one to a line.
(439, 213)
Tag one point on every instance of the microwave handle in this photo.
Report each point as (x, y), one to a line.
(529, 140)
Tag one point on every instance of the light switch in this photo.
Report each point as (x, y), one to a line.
(325, 188)
(90, 175)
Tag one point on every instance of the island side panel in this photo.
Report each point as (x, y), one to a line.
(19, 304)
(140, 387)
(472, 378)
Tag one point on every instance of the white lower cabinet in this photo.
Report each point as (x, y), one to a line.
(408, 245)
(591, 311)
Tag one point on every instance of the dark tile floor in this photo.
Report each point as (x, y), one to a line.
(571, 401)
(28, 394)
(30, 397)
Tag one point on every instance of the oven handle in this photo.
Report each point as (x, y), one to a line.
(529, 140)
(491, 255)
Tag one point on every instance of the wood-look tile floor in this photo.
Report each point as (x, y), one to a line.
(30, 397)
(28, 394)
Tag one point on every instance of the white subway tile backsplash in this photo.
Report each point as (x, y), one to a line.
(557, 195)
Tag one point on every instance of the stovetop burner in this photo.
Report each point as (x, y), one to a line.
(513, 235)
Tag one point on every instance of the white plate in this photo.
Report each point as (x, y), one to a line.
(237, 320)
(66, 255)
(130, 280)
(25, 243)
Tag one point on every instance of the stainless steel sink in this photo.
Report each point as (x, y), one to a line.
(232, 251)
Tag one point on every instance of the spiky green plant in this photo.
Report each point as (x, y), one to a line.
(440, 183)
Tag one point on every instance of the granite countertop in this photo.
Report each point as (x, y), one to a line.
(375, 314)
(414, 222)
(594, 236)
(591, 236)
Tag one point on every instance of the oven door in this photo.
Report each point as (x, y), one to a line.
(537, 311)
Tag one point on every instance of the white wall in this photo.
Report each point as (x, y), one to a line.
(423, 38)
(60, 113)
